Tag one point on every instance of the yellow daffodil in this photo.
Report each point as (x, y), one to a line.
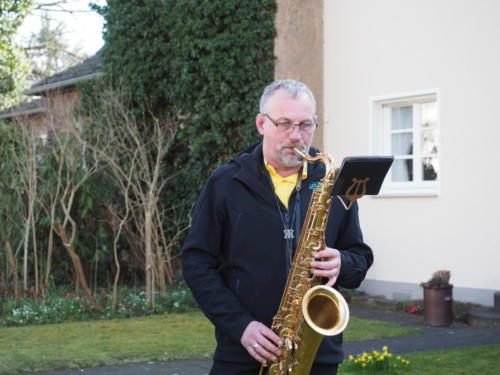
(376, 359)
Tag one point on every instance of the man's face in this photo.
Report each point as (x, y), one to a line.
(277, 144)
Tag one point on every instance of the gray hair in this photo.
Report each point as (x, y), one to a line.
(294, 88)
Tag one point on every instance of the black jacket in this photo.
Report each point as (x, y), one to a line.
(235, 259)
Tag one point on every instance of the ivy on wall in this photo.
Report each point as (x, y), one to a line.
(204, 60)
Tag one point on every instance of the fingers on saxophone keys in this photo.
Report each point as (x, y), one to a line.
(259, 358)
(266, 350)
(322, 272)
(323, 264)
(271, 349)
(260, 354)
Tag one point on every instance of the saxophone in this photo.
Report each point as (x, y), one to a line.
(308, 310)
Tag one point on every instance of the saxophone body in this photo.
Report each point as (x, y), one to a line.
(308, 310)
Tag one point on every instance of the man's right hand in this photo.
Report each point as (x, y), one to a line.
(261, 342)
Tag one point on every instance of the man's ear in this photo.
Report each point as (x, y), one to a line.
(259, 123)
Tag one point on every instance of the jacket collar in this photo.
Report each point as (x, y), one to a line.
(254, 175)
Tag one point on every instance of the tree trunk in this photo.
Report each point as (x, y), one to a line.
(77, 264)
(117, 277)
(13, 265)
(50, 250)
(26, 250)
(3, 278)
(149, 257)
(118, 268)
(160, 259)
(37, 274)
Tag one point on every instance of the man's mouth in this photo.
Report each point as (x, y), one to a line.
(291, 148)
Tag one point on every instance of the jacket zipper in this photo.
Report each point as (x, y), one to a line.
(290, 243)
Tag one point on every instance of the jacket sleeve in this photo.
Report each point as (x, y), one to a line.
(356, 256)
(201, 262)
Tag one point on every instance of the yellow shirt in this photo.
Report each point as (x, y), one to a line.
(283, 186)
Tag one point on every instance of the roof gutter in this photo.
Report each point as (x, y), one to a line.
(60, 84)
(33, 111)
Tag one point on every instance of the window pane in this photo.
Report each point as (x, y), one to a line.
(402, 144)
(429, 114)
(402, 117)
(429, 143)
(402, 170)
(429, 169)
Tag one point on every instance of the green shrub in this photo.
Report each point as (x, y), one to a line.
(204, 60)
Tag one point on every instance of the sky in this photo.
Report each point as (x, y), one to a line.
(82, 29)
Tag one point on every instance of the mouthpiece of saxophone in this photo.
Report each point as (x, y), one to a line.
(299, 152)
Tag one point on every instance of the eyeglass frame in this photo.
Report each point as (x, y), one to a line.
(293, 125)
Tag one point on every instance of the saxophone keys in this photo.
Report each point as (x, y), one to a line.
(300, 288)
(275, 369)
(290, 319)
(286, 333)
(308, 260)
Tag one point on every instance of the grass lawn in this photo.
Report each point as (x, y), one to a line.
(365, 329)
(182, 336)
(105, 342)
(483, 360)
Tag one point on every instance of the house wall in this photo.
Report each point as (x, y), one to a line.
(62, 104)
(385, 47)
(58, 115)
(298, 49)
(36, 122)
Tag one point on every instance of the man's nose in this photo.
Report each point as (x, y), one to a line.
(295, 133)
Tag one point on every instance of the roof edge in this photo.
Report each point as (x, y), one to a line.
(61, 84)
(32, 111)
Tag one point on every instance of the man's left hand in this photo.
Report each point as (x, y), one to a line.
(327, 264)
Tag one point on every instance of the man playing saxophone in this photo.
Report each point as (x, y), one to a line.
(239, 251)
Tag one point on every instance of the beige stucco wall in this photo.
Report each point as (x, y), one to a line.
(383, 47)
(299, 48)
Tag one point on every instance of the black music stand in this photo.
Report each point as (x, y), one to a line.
(359, 176)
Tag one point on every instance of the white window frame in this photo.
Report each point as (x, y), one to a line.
(380, 142)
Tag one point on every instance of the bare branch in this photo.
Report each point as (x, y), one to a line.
(58, 6)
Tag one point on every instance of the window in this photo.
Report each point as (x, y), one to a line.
(406, 126)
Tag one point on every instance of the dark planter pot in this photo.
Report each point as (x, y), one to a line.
(438, 306)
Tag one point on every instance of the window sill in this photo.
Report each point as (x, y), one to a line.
(407, 193)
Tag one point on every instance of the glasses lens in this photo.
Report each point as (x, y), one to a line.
(288, 127)
(285, 126)
(306, 127)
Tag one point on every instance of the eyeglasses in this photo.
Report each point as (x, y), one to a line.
(306, 127)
